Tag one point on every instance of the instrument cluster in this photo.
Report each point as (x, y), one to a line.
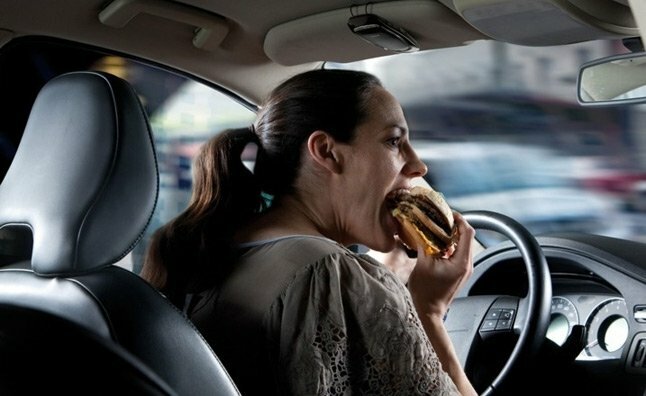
(605, 319)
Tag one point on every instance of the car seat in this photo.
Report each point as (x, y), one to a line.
(84, 182)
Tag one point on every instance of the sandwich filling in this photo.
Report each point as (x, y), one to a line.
(422, 219)
(420, 205)
(418, 210)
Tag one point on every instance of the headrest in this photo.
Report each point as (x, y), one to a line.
(84, 178)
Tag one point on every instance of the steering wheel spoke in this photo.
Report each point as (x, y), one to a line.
(473, 319)
(463, 322)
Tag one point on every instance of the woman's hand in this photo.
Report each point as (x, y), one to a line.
(434, 281)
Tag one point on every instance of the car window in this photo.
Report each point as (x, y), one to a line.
(562, 167)
(183, 113)
(183, 121)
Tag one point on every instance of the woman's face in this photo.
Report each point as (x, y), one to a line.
(378, 161)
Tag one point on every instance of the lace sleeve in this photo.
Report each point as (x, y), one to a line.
(347, 326)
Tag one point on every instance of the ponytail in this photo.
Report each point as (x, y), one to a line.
(191, 252)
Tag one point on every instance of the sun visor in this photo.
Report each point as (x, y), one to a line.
(326, 36)
(547, 22)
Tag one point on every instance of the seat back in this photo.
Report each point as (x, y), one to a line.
(31, 359)
(84, 181)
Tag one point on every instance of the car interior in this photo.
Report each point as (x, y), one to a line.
(95, 155)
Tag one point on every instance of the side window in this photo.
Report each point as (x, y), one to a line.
(183, 113)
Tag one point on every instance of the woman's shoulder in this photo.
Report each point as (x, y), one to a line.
(301, 247)
(312, 260)
(315, 264)
(286, 258)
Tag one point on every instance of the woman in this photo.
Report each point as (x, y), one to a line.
(287, 307)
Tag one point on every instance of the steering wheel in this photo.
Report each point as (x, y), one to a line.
(471, 319)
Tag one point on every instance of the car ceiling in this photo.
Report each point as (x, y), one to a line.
(250, 45)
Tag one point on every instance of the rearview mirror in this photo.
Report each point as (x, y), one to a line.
(614, 80)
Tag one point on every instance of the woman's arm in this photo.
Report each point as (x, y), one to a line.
(441, 342)
(433, 284)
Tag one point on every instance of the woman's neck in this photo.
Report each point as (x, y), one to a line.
(286, 217)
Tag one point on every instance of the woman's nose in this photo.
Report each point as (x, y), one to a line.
(415, 167)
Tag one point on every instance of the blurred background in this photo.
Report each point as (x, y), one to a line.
(498, 126)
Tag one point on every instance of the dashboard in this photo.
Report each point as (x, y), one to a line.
(598, 285)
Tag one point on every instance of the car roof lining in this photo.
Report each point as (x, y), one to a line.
(266, 43)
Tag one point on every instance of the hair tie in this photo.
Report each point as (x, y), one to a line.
(267, 198)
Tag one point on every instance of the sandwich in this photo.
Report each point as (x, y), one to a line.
(425, 220)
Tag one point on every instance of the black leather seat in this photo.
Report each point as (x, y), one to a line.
(85, 182)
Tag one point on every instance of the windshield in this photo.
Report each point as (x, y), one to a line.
(500, 128)
(503, 176)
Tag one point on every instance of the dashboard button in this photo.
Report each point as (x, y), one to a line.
(640, 313)
(640, 351)
(503, 324)
(493, 314)
(506, 314)
(488, 325)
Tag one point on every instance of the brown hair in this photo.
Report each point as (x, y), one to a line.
(191, 252)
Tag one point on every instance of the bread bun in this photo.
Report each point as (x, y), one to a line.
(425, 219)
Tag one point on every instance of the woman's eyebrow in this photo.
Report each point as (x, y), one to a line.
(401, 128)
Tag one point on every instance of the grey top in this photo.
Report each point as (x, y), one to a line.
(303, 315)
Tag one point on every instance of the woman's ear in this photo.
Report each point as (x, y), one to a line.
(323, 149)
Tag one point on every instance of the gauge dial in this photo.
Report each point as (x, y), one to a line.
(607, 329)
(563, 316)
